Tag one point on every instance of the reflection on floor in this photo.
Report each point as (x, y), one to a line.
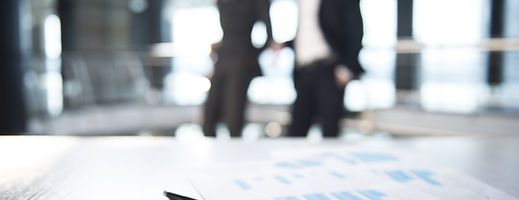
(270, 121)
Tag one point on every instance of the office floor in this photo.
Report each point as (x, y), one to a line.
(267, 120)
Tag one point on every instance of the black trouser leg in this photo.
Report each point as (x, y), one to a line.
(303, 109)
(331, 104)
(302, 112)
(212, 108)
(236, 102)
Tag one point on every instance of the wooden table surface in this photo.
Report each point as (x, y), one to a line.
(46, 167)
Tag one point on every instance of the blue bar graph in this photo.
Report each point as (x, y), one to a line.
(317, 196)
(344, 159)
(287, 165)
(309, 163)
(426, 176)
(399, 175)
(287, 198)
(345, 196)
(373, 194)
(242, 184)
(283, 180)
(374, 157)
(299, 176)
(298, 164)
(337, 174)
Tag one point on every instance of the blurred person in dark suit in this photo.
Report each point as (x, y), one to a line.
(327, 47)
(236, 65)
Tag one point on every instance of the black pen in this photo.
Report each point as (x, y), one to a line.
(172, 196)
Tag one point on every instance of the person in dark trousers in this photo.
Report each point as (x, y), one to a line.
(327, 47)
(236, 65)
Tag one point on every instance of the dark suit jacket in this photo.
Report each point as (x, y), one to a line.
(342, 26)
(237, 17)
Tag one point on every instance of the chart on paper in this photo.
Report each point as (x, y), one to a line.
(341, 174)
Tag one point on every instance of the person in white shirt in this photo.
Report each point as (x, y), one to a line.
(327, 47)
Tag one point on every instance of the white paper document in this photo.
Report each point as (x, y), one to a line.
(340, 174)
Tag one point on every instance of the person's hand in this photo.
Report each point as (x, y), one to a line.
(276, 47)
(342, 76)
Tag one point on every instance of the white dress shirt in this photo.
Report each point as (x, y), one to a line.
(310, 43)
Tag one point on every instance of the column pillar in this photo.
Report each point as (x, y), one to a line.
(13, 116)
(406, 73)
(496, 58)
